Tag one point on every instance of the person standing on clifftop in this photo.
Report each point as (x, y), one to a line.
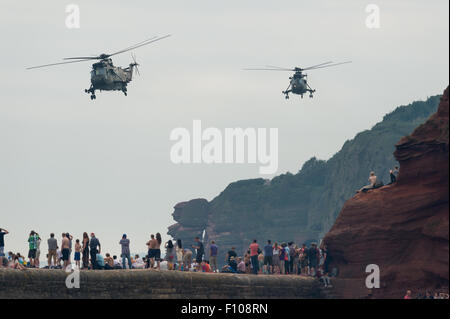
(52, 247)
(314, 256)
(32, 248)
(125, 245)
(179, 251)
(326, 259)
(93, 244)
(3, 232)
(151, 244)
(213, 251)
(85, 251)
(200, 250)
(158, 251)
(65, 250)
(254, 252)
(268, 258)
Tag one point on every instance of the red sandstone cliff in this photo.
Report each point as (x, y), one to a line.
(403, 228)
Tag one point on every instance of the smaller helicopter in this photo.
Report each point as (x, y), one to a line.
(104, 75)
(298, 83)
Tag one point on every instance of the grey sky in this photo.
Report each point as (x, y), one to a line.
(70, 164)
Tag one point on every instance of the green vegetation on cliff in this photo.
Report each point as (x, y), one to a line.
(303, 206)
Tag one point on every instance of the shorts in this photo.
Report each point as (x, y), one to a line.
(52, 253)
(268, 260)
(276, 261)
(32, 253)
(2, 251)
(65, 254)
(199, 258)
(304, 263)
(151, 253)
(154, 253)
(77, 256)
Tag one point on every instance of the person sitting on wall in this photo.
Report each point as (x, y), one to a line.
(100, 262)
(240, 266)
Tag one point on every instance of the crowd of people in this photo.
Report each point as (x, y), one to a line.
(426, 295)
(273, 258)
(282, 259)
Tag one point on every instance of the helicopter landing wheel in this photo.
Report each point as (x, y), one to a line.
(93, 97)
(311, 96)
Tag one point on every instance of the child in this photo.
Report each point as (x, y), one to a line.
(77, 253)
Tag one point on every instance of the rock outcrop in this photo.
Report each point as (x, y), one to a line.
(299, 207)
(192, 220)
(404, 227)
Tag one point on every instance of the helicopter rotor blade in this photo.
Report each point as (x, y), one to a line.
(140, 45)
(132, 46)
(83, 58)
(262, 69)
(330, 65)
(317, 65)
(52, 64)
(277, 67)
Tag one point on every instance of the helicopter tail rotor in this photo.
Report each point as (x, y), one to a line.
(135, 64)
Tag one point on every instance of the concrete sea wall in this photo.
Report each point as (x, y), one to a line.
(41, 283)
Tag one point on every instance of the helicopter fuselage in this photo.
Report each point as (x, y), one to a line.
(107, 77)
(298, 85)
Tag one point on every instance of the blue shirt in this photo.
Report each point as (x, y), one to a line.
(268, 250)
(214, 250)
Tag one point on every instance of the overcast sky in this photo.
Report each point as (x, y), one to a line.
(71, 164)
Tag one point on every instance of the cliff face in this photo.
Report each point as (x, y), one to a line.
(403, 228)
(299, 207)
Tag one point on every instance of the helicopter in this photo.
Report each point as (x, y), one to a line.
(298, 82)
(104, 75)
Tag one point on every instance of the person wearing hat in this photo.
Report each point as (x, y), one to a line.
(125, 243)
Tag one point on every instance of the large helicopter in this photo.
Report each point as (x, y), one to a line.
(298, 83)
(104, 75)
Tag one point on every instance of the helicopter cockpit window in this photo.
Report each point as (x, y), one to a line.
(100, 71)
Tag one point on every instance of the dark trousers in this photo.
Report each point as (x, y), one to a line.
(86, 258)
(255, 264)
(286, 267)
(94, 258)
